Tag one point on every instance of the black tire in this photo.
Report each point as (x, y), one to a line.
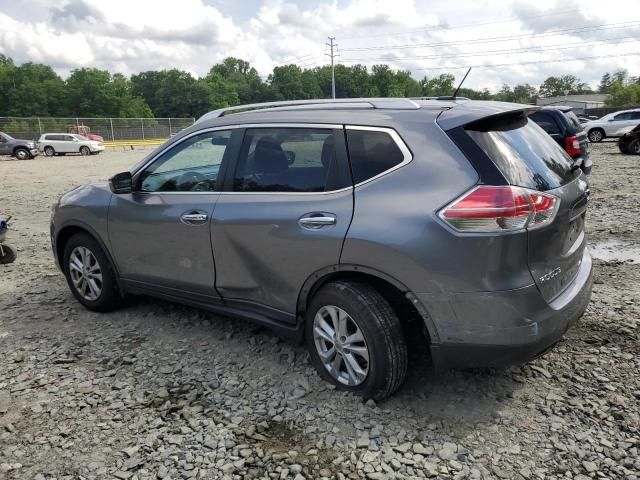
(596, 135)
(22, 154)
(62, 154)
(623, 147)
(49, 151)
(633, 147)
(109, 297)
(382, 331)
(8, 254)
(84, 151)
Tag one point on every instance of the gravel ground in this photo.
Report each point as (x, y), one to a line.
(157, 390)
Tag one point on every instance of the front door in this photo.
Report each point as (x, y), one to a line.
(160, 233)
(5, 149)
(283, 215)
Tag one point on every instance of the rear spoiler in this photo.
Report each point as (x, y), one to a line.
(470, 112)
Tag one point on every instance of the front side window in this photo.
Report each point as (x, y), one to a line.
(190, 166)
(372, 152)
(287, 160)
(68, 138)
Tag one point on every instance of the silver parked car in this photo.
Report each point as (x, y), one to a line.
(353, 225)
(613, 125)
(62, 143)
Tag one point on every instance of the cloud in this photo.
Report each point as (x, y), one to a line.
(133, 36)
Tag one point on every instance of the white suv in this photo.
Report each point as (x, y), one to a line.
(612, 125)
(61, 143)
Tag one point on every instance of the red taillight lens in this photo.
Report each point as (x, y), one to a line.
(572, 146)
(499, 209)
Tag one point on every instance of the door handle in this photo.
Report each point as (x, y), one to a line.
(194, 217)
(318, 221)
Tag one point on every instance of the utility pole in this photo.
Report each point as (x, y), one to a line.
(332, 45)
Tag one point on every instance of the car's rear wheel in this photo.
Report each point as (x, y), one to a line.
(89, 273)
(634, 147)
(356, 340)
(8, 254)
(85, 151)
(596, 135)
(22, 154)
(49, 151)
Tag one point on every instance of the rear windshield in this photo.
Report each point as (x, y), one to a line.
(573, 120)
(524, 153)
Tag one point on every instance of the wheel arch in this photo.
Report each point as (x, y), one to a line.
(68, 231)
(395, 292)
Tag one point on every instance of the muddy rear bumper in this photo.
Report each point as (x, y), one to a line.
(498, 331)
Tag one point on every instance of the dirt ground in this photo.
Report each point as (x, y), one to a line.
(156, 390)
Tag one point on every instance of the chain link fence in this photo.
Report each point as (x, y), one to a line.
(111, 129)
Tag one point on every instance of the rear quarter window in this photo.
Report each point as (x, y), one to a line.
(372, 152)
(524, 153)
(574, 121)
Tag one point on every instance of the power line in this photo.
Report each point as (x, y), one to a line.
(560, 46)
(605, 26)
(631, 54)
(462, 25)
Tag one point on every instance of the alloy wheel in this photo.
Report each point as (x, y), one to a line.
(85, 272)
(341, 345)
(595, 136)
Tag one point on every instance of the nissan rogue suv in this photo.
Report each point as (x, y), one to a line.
(349, 224)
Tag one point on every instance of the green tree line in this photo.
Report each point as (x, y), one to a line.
(33, 89)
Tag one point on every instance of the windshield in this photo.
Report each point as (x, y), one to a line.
(81, 137)
(524, 153)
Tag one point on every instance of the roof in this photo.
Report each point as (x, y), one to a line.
(389, 112)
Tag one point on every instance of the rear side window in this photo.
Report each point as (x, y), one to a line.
(546, 122)
(288, 160)
(372, 152)
(574, 121)
(524, 153)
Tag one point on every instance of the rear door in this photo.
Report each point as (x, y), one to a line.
(283, 215)
(527, 157)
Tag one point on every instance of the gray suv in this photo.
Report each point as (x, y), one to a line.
(351, 225)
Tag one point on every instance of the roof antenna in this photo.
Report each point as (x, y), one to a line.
(455, 94)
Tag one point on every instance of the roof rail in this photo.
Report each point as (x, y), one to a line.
(382, 103)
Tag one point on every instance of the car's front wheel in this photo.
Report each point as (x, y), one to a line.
(89, 273)
(85, 151)
(22, 154)
(356, 340)
(596, 135)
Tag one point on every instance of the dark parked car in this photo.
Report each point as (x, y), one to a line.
(20, 149)
(629, 143)
(355, 225)
(565, 128)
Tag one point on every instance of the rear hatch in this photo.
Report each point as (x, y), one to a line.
(527, 157)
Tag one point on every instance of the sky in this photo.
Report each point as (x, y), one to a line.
(505, 41)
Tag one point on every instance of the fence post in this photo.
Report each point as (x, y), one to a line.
(39, 126)
(113, 138)
(142, 123)
(170, 127)
(78, 124)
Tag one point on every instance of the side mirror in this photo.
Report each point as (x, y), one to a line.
(121, 183)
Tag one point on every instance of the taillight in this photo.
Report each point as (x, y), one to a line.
(572, 146)
(500, 209)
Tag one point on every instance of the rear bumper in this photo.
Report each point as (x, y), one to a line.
(491, 329)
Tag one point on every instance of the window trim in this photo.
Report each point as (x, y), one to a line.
(406, 152)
